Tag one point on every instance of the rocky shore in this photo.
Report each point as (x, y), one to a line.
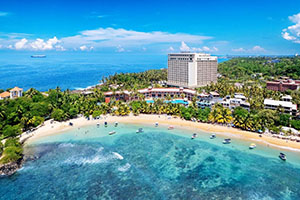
(10, 168)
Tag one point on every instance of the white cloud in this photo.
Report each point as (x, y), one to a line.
(255, 49)
(170, 49)
(101, 38)
(21, 44)
(3, 14)
(184, 47)
(111, 37)
(239, 50)
(38, 44)
(83, 48)
(120, 49)
(258, 49)
(212, 49)
(287, 36)
(292, 33)
(86, 48)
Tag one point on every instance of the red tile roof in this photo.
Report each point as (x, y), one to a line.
(5, 94)
(16, 89)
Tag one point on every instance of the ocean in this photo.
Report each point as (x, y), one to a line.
(70, 70)
(87, 163)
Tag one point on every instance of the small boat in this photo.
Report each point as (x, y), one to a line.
(252, 146)
(38, 56)
(105, 124)
(171, 128)
(116, 124)
(156, 124)
(140, 130)
(112, 132)
(227, 141)
(194, 136)
(213, 136)
(282, 156)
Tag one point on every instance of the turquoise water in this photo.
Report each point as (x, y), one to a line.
(87, 163)
(176, 101)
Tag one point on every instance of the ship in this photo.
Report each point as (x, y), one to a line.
(38, 56)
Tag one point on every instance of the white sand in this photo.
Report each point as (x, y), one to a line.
(60, 127)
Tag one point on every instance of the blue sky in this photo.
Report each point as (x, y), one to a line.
(155, 27)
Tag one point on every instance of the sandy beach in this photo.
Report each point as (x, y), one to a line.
(59, 127)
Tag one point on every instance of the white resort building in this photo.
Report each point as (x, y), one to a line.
(161, 93)
(191, 69)
(286, 104)
(238, 100)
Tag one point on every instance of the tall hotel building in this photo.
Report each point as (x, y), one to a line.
(191, 69)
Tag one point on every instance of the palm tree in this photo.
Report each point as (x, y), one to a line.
(224, 116)
(213, 115)
(31, 92)
(182, 95)
(168, 97)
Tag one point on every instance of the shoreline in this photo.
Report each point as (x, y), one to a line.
(60, 127)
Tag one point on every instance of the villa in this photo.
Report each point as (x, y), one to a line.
(4, 95)
(12, 94)
(16, 92)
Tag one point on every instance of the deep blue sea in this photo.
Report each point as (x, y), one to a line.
(87, 163)
(70, 70)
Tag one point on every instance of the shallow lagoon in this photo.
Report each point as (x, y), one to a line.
(87, 163)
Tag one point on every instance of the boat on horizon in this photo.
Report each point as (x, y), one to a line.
(38, 56)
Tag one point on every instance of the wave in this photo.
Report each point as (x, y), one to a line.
(118, 156)
(84, 88)
(65, 145)
(124, 168)
(96, 159)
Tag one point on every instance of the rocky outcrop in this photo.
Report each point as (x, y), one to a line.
(10, 168)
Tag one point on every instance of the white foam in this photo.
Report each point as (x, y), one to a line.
(277, 146)
(96, 159)
(91, 160)
(65, 145)
(124, 168)
(118, 156)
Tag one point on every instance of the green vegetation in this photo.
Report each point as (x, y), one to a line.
(245, 69)
(12, 151)
(134, 81)
(30, 111)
